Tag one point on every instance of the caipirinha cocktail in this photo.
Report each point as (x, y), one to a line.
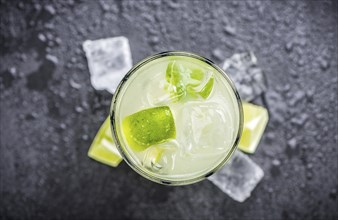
(176, 118)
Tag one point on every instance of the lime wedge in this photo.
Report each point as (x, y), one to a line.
(255, 120)
(149, 127)
(203, 89)
(200, 83)
(103, 148)
(206, 90)
(196, 76)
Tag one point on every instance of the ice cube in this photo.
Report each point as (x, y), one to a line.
(156, 91)
(109, 60)
(202, 126)
(157, 94)
(249, 79)
(238, 177)
(160, 158)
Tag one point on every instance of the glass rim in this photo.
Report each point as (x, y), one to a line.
(136, 167)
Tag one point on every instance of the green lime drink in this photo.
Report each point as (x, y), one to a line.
(176, 118)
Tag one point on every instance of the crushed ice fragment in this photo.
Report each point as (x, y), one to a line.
(238, 177)
(299, 120)
(292, 143)
(12, 71)
(230, 30)
(297, 97)
(218, 54)
(276, 162)
(324, 64)
(74, 84)
(249, 79)
(109, 60)
(50, 9)
(42, 37)
(52, 58)
(78, 109)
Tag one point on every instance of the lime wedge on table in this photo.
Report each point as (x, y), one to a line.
(149, 127)
(183, 80)
(255, 120)
(103, 148)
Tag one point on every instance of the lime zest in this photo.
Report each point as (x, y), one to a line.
(103, 148)
(149, 127)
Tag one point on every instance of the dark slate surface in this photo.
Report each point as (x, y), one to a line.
(47, 123)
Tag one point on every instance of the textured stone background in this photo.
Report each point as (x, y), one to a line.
(50, 112)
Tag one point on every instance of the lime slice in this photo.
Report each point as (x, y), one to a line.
(149, 127)
(255, 120)
(103, 148)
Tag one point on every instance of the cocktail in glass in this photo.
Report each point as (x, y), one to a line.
(176, 118)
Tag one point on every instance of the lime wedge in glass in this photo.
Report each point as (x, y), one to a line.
(200, 83)
(255, 120)
(149, 127)
(103, 148)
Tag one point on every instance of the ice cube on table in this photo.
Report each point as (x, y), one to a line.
(249, 79)
(202, 126)
(109, 60)
(238, 177)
